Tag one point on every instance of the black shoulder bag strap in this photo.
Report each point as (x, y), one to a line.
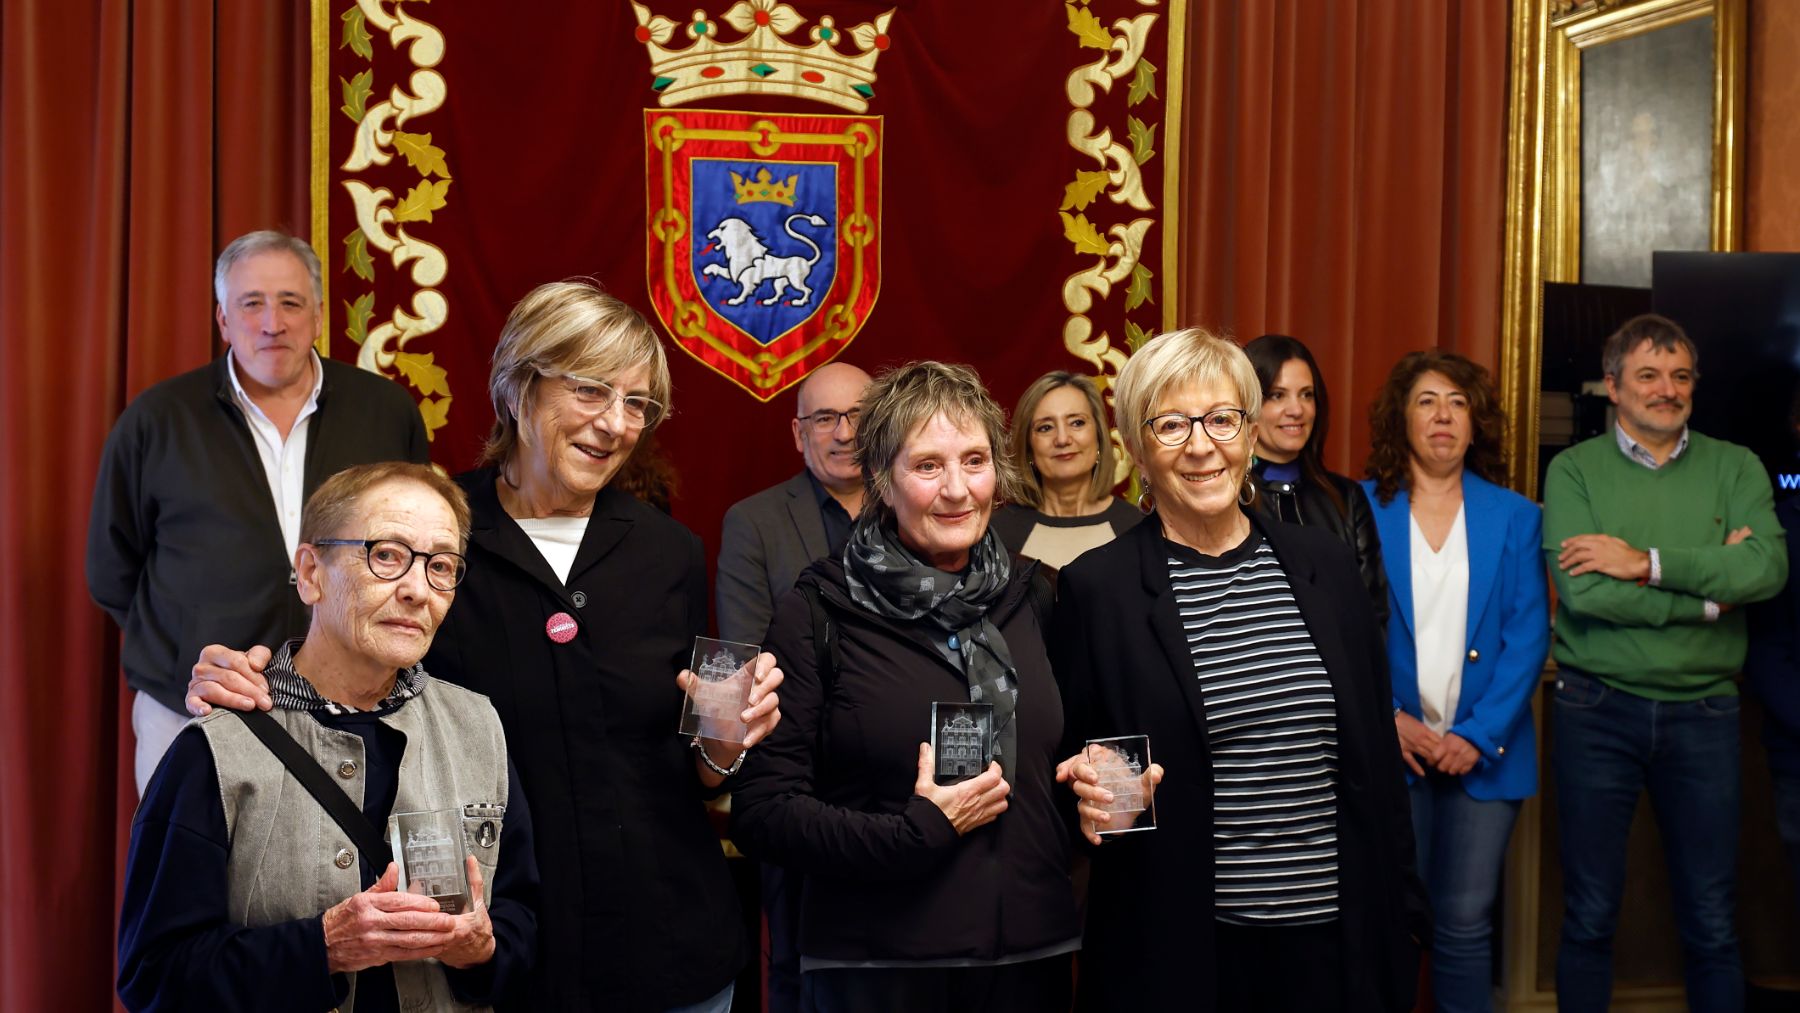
(317, 783)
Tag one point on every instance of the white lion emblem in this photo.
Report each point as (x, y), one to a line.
(748, 262)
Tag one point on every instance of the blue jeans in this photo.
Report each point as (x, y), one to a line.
(1461, 850)
(1609, 747)
(1787, 824)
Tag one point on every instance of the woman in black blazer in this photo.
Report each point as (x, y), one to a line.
(1279, 875)
(580, 607)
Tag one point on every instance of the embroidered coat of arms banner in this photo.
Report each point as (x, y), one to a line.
(775, 184)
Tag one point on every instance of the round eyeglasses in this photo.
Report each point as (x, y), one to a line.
(390, 559)
(598, 397)
(1222, 425)
(825, 420)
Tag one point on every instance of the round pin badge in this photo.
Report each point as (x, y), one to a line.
(561, 627)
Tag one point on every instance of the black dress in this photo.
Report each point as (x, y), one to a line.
(639, 910)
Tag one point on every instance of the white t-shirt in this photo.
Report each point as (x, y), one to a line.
(557, 538)
(1440, 590)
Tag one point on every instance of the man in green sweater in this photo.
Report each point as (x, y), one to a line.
(1655, 535)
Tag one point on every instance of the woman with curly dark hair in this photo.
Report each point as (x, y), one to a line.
(1471, 630)
(1289, 474)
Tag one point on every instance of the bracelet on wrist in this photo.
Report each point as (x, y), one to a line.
(736, 765)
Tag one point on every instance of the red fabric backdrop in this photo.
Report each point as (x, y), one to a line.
(1343, 183)
(542, 134)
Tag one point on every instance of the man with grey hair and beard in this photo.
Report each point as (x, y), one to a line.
(196, 511)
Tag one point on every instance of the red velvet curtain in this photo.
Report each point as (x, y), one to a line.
(1345, 183)
(138, 136)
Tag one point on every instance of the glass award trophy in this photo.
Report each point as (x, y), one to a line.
(723, 673)
(428, 849)
(962, 740)
(1122, 762)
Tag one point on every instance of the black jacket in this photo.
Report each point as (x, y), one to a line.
(1122, 657)
(639, 912)
(184, 548)
(1303, 502)
(887, 877)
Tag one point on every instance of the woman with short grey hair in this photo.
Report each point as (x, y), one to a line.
(910, 779)
(1279, 875)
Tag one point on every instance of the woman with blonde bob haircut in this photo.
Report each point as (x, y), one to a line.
(1060, 446)
(1280, 875)
(577, 620)
(932, 883)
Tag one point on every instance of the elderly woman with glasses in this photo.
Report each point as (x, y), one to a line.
(1279, 874)
(581, 610)
(1064, 456)
(935, 879)
(241, 891)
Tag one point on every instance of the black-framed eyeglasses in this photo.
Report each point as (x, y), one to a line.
(598, 396)
(1173, 429)
(390, 559)
(825, 420)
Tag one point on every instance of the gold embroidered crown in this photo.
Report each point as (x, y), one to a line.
(761, 61)
(765, 188)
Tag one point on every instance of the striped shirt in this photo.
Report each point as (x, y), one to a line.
(1271, 726)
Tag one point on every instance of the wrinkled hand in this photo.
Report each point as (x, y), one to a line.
(1084, 778)
(1614, 557)
(230, 679)
(472, 941)
(760, 716)
(1417, 742)
(381, 926)
(967, 804)
(1455, 755)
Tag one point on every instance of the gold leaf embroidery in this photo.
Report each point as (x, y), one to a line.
(1087, 28)
(356, 255)
(436, 415)
(1078, 230)
(421, 201)
(420, 372)
(356, 95)
(356, 317)
(421, 154)
(1087, 186)
(356, 34)
(1143, 83)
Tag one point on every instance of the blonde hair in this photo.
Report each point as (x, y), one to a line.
(566, 327)
(1174, 358)
(904, 398)
(1031, 486)
(334, 502)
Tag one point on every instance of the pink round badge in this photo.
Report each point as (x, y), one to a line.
(561, 627)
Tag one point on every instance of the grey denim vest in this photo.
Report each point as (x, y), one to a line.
(290, 860)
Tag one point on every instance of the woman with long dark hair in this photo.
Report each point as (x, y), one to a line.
(1289, 474)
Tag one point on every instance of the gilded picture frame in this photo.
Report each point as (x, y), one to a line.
(1543, 209)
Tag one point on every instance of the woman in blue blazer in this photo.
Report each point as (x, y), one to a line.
(1469, 631)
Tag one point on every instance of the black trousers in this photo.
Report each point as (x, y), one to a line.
(1036, 986)
(1278, 968)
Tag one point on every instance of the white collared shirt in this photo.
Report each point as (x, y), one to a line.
(283, 461)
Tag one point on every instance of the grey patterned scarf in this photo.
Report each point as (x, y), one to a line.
(290, 690)
(889, 580)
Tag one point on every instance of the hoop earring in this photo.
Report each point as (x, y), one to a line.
(1246, 492)
(1146, 503)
